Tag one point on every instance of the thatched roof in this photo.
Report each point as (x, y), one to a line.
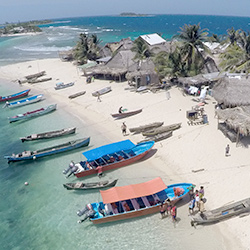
(236, 118)
(232, 92)
(197, 80)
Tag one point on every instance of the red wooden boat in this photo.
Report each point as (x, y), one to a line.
(14, 96)
(110, 157)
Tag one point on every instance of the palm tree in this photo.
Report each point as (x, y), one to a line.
(141, 49)
(192, 40)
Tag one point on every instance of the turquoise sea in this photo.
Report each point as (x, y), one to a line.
(42, 215)
(63, 33)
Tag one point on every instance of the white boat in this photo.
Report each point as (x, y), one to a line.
(26, 101)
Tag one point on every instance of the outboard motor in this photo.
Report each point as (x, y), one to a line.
(71, 165)
(90, 214)
(72, 171)
(87, 208)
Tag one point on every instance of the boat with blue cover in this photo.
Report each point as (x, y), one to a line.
(109, 157)
(126, 202)
(62, 85)
(26, 101)
(32, 155)
(34, 113)
(14, 96)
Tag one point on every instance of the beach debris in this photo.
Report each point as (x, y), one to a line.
(198, 170)
(26, 183)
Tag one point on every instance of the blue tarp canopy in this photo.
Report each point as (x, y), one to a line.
(96, 153)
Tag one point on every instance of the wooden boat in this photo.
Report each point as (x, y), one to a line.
(101, 91)
(39, 74)
(48, 135)
(222, 213)
(62, 85)
(77, 94)
(26, 101)
(34, 113)
(111, 156)
(162, 129)
(32, 155)
(126, 114)
(146, 127)
(132, 201)
(87, 186)
(14, 96)
(159, 137)
(37, 80)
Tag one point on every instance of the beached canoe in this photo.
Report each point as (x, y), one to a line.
(14, 96)
(221, 213)
(126, 114)
(120, 203)
(34, 113)
(111, 156)
(101, 91)
(159, 137)
(146, 127)
(62, 85)
(162, 129)
(48, 135)
(32, 155)
(26, 101)
(88, 186)
(77, 94)
(36, 75)
(37, 80)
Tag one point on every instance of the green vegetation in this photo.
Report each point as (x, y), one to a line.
(21, 28)
(87, 48)
(131, 14)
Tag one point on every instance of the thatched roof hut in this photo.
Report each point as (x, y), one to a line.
(237, 119)
(232, 92)
(198, 81)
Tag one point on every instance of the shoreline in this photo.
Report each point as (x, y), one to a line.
(174, 158)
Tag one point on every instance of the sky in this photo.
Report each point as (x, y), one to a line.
(26, 10)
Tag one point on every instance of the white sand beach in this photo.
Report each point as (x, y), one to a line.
(177, 159)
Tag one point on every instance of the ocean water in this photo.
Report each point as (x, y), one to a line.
(63, 33)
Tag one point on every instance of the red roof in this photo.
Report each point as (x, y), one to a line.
(133, 191)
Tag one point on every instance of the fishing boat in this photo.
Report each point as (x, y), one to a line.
(37, 80)
(101, 91)
(34, 113)
(87, 186)
(159, 137)
(26, 101)
(146, 127)
(14, 96)
(32, 155)
(62, 85)
(162, 129)
(111, 156)
(126, 114)
(77, 94)
(222, 213)
(48, 135)
(120, 203)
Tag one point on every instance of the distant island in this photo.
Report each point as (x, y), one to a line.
(9, 29)
(132, 14)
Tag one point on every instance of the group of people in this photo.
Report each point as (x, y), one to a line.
(167, 207)
(197, 200)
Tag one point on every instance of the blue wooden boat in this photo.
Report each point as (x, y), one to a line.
(34, 113)
(132, 201)
(62, 85)
(32, 155)
(14, 96)
(111, 156)
(26, 101)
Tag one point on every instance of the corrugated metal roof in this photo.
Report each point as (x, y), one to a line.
(153, 39)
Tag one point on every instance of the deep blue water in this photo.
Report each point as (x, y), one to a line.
(63, 33)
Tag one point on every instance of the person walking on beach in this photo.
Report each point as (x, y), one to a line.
(162, 210)
(227, 150)
(120, 110)
(174, 213)
(124, 128)
(191, 206)
(201, 192)
(98, 97)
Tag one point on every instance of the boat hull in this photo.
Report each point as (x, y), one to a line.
(114, 165)
(49, 151)
(25, 101)
(102, 91)
(77, 94)
(49, 135)
(126, 114)
(146, 127)
(15, 96)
